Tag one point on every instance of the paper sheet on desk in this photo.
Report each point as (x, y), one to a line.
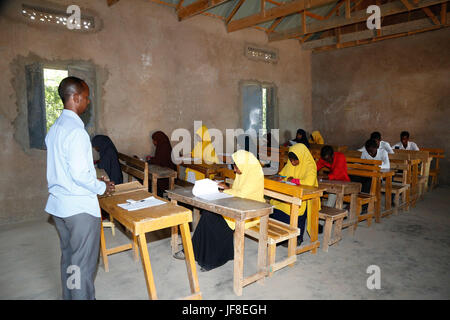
(141, 204)
(208, 189)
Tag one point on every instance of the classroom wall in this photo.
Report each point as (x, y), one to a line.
(389, 86)
(154, 73)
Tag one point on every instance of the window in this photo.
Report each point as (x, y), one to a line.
(43, 103)
(53, 103)
(259, 110)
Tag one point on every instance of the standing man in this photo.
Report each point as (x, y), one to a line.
(73, 189)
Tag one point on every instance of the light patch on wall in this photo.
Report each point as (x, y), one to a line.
(146, 60)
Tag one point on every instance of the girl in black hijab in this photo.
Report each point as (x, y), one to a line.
(301, 137)
(163, 158)
(109, 160)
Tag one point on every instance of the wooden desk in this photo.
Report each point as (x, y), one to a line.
(206, 169)
(140, 222)
(240, 210)
(341, 188)
(313, 194)
(387, 175)
(158, 172)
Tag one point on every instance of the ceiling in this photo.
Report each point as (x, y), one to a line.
(319, 24)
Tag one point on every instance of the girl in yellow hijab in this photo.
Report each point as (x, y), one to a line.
(300, 169)
(213, 237)
(316, 138)
(204, 150)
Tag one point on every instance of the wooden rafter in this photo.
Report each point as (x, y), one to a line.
(282, 10)
(198, 7)
(431, 15)
(235, 9)
(180, 3)
(367, 36)
(444, 12)
(387, 9)
(347, 9)
(274, 24)
(407, 4)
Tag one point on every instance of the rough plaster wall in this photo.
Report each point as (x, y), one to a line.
(390, 86)
(160, 74)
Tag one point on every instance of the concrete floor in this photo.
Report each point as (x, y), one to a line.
(411, 249)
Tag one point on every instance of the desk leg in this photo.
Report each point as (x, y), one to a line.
(135, 248)
(171, 183)
(238, 257)
(262, 246)
(174, 238)
(147, 267)
(314, 222)
(190, 259)
(378, 202)
(154, 185)
(353, 213)
(292, 243)
(388, 194)
(339, 200)
(195, 218)
(103, 248)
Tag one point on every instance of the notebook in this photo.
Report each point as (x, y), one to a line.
(132, 205)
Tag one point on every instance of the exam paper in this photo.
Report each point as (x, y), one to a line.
(132, 205)
(208, 189)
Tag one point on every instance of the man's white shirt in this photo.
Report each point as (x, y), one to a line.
(411, 146)
(381, 155)
(71, 176)
(383, 145)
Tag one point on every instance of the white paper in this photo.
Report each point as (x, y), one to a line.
(141, 204)
(208, 189)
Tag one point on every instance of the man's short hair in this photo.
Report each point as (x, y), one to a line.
(404, 134)
(375, 135)
(370, 144)
(326, 151)
(69, 86)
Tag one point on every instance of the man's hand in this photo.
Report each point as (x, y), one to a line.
(110, 187)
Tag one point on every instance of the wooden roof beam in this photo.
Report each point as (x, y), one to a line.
(198, 7)
(235, 9)
(387, 9)
(284, 9)
(368, 36)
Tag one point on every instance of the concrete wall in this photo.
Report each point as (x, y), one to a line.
(155, 73)
(390, 86)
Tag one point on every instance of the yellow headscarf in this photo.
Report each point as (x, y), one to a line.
(204, 150)
(249, 184)
(316, 138)
(306, 172)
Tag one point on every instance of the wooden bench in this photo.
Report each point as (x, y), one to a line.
(135, 169)
(331, 215)
(277, 231)
(318, 147)
(371, 169)
(400, 188)
(423, 173)
(435, 154)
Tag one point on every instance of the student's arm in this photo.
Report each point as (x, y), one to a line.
(387, 146)
(79, 162)
(385, 160)
(339, 171)
(414, 146)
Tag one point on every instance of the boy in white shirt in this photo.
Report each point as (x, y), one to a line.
(381, 144)
(372, 152)
(405, 144)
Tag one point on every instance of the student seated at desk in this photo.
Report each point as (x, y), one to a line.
(163, 158)
(213, 238)
(109, 158)
(381, 144)
(204, 150)
(316, 138)
(372, 152)
(336, 162)
(299, 138)
(300, 169)
(404, 143)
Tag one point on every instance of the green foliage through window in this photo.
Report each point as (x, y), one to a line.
(53, 103)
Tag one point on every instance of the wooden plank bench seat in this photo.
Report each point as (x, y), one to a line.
(331, 215)
(277, 232)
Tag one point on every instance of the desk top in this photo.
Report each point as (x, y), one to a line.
(308, 191)
(161, 172)
(147, 219)
(235, 207)
(387, 172)
(346, 187)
